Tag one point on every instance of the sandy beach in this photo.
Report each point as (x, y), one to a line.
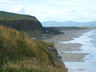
(69, 35)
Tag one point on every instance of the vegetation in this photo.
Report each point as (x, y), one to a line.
(13, 16)
(24, 23)
(18, 53)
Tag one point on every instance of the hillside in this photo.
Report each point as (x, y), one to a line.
(13, 16)
(21, 22)
(67, 23)
(18, 53)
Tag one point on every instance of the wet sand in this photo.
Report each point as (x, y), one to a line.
(66, 47)
(73, 57)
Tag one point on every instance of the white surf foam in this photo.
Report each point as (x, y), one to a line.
(87, 47)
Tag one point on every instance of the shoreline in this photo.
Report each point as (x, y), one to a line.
(67, 36)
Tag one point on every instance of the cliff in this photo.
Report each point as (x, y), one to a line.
(20, 22)
(20, 53)
(23, 25)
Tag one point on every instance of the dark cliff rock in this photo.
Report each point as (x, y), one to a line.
(23, 25)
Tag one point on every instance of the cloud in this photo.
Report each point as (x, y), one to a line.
(47, 10)
(7, 1)
(67, 14)
(18, 9)
(22, 11)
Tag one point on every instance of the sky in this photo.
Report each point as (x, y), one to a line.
(53, 10)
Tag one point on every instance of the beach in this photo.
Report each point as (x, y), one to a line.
(69, 52)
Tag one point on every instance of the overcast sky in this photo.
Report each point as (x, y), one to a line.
(53, 10)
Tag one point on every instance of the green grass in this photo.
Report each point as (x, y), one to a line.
(18, 53)
(14, 16)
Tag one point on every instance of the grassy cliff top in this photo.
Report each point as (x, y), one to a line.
(14, 16)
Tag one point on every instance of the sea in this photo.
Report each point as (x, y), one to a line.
(88, 45)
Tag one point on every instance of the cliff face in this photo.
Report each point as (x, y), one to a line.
(23, 25)
(20, 22)
(14, 44)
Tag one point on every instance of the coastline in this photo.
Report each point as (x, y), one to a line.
(67, 36)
